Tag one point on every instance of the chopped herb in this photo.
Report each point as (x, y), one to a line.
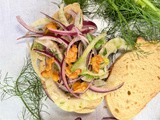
(89, 37)
(104, 52)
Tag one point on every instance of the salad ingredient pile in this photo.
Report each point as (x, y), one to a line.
(73, 61)
(75, 57)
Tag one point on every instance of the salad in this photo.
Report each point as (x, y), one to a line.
(71, 59)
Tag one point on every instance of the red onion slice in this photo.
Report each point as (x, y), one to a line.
(64, 78)
(77, 30)
(86, 24)
(74, 80)
(59, 23)
(49, 55)
(56, 39)
(61, 86)
(28, 27)
(70, 33)
(70, 27)
(76, 39)
(55, 21)
(104, 90)
(83, 38)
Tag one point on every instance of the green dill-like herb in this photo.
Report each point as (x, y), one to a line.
(142, 54)
(104, 52)
(127, 18)
(28, 88)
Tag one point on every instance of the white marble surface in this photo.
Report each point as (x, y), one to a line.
(12, 56)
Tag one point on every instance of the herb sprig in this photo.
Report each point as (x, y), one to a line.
(128, 18)
(28, 88)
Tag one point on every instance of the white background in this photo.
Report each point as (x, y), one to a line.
(13, 53)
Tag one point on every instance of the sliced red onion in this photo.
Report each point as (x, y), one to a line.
(45, 52)
(59, 23)
(65, 40)
(70, 33)
(29, 28)
(104, 90)
(83, 38)
(77, 30)
(61, 86)
(57, 62)
(70, 27)
(65, 80)
(74, 80)
(29, 36)
(76, 39)
(87, 24)
(87, 30)
(55, 21)
(56, 39)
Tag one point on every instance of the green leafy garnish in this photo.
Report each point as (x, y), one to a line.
(28, 88)
(127, 18)
(104, 52)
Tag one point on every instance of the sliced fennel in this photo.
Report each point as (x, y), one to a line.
(110, 47)
(113, 45)
(81, 62)
(62, 16)
(102, 41)
(79, 21)
(41, 22)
